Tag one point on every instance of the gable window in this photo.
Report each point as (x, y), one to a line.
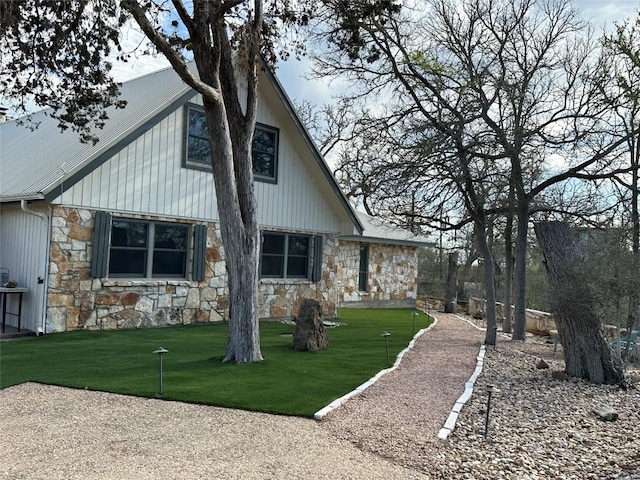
(147, 249)
(363, 268)
(285, 256)
(197, 154)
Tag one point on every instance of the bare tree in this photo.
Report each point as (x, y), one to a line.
(513, 76)
(621, 62)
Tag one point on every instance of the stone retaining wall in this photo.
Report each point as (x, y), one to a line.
(538, 322)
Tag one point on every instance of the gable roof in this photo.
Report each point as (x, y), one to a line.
(35, 164)
(376, 230)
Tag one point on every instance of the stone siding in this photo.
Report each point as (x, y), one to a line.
(281, 298)
(392, 272)
(78, 301)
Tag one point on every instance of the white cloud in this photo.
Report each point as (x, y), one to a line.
(604, 13)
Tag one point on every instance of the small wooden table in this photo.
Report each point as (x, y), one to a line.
(4, 291)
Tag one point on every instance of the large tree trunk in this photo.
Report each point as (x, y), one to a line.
(451, 294)
(230, 136)
(587, 353)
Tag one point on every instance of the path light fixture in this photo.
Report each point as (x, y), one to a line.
(490, 388)
(386, 345)
(415, 314)
(160, 351)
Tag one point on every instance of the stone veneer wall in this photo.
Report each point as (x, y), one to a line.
(393, 271)
(77, 301)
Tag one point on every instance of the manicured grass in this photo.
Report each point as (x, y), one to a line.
(286, 382)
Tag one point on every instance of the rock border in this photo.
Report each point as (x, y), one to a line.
(323, 412)
(450, 424)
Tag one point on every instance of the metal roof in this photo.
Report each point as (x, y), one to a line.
(376, 230)
(34, 162)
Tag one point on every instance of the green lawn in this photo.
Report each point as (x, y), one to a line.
(286, 382)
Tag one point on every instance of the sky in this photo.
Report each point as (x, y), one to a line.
(603, 14)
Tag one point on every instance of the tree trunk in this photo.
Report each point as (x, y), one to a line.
(520, 320)
(230, 137)
(586, 350)
(508, 269)
(243, 337)
(240, 237)
(489, 278)
(451, 296)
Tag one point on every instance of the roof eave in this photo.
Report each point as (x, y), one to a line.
(389, 241)
(19, 198)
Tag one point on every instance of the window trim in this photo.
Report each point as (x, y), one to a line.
(286, 235)
(195, 165)
(150, 249)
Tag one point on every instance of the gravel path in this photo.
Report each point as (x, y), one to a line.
(400, 416)
(541, 428)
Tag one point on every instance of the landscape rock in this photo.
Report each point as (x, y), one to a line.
(605, 413)
(310, 333)
(542, 365)
(560, 375)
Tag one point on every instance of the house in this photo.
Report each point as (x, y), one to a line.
(125, 234)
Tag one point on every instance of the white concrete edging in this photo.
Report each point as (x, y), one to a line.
(320, 414)
(450, 424)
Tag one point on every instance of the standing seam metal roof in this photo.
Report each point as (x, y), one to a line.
(32, 163)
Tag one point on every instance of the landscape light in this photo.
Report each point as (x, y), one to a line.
(160, 351)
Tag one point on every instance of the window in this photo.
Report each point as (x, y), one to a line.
(147, 249)
(364, 268)
(198, 151)
(285, 256)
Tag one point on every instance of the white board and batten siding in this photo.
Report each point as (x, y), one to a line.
(147, 177)
(23, 257)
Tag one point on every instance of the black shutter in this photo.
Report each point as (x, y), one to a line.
(317, 259)
(260, 256)
(101, 236)
(199, 252)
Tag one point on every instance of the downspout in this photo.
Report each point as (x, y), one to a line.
(45, 259)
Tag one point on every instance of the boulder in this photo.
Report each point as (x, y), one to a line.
(560, 375)
(606, 414)
(310, 333)
(541, 365)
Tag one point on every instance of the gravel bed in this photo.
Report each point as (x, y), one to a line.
(540, 428)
